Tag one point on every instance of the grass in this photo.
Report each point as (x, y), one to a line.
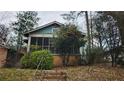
(95, 72)
(13, 74)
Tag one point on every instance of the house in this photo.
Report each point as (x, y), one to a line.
(3, 55)
(41, 38)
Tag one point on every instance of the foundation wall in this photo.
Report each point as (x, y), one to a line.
(73, 60)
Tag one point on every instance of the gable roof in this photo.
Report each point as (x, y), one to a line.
(43, 26)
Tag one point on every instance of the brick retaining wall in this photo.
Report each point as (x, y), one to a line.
(73, 60)
(3, 56)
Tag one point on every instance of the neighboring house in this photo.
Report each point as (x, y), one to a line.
(41, 37)
(3, 55)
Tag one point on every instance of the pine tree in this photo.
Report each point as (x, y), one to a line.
(26, 21)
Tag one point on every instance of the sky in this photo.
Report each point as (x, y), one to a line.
(49, 16)
(45, 17)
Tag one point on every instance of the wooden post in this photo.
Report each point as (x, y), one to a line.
(29, 43)
(49, 43)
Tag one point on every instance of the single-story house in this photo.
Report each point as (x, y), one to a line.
(3, 55)
(41, 38)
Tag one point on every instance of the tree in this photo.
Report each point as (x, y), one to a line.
(98, 25)
(119, 17)
(6, 34)
(73, 15)
(4, 31)
(108, 33)
(107, 29)
(91, 28)
(88, 37)
(68, 41)
(26, 21)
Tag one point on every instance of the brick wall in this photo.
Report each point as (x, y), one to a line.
(3, 56)
(73, 60)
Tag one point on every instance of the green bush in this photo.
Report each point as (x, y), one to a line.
(32, 60)
(25, 61)
(95, 56)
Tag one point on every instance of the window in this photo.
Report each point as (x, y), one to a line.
(55, 29)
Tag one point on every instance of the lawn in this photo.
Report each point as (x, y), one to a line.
(96, 72)
(14, 74)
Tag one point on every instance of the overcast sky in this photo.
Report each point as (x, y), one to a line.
(45, 17)
(50, 16)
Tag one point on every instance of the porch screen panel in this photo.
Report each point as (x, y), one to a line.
(39, 43)
(33, 46)
(45, 43)
(33, 40)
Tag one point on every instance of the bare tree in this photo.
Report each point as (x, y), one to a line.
(4, 31)
(6, 34)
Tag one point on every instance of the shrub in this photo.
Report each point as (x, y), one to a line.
(96, 56)
(43, 57)
(12, 60)
(25, 61)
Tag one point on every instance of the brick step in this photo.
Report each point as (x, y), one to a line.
(50, 75)
(51, 72)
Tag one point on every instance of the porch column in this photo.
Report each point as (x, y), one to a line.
(29, 43)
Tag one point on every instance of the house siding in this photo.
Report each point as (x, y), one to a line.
(46, 30)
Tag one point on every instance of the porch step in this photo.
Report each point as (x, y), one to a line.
(51, 75)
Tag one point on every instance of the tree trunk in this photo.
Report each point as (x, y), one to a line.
(100, 42)
(88, 35)
(91, 28)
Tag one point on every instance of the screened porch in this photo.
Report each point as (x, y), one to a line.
(40, 43)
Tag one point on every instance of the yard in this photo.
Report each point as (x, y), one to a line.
(96, 72)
